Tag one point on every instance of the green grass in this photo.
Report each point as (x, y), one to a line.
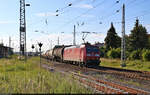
(20, 77)
(133, 65)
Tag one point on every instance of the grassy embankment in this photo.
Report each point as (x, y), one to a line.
(19, 77)
(133, 65)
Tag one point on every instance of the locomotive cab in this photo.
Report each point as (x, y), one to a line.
(92, 55)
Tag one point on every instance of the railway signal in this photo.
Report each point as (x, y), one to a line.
(40, 45)
(32, 49)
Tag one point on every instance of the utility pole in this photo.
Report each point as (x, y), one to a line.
(74, 36)
(58, 41)
(23, 28)
(123, 49)
(9, 44)
(9, 41)
(51, 44)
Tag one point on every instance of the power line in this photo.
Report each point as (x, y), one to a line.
(119, 22)
(69, 4)
(131, 2)
(128, 19)
(108, 15)
(83, 14)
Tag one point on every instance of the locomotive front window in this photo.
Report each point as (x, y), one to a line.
(89, 50)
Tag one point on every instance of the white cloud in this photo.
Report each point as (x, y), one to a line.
(46, 14)
(48, 40)
(148, 27)
(88, 16)
(86, 6)
(7, 22)
(66, 39)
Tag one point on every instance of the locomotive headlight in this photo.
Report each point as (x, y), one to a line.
(97, 55)
(88, 54)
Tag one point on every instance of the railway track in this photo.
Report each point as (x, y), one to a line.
(107, 87)
(99, 85)
(140, 75)
(126, 73)
(145, 74)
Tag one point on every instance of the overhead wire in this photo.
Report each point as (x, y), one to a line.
(117, 11)
(128, 4)
(146, 12)
(132, 2)
(58, 10)
(72, 4)
(83, 14)
(108, 15)
(113, 12)
(93, 8)
(139, 16)
(105, 15)
(69, 5)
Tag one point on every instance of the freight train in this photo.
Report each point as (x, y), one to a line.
(84, 55)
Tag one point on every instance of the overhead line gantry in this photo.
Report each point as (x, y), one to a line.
(23, 28)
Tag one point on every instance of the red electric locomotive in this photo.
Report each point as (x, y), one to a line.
(85, 54)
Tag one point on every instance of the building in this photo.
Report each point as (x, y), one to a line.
(5, 51)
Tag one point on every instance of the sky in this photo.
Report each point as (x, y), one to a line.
(88, 15)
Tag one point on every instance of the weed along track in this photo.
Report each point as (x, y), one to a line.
(125, 73)
(144, 75)
(86, 76)
(107, 87)
(140, 75)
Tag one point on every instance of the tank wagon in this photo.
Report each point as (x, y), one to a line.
(58, 53)
(49, 54)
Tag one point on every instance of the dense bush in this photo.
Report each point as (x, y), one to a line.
(146, 55)
(102, 51)
(136, 54)
(127, 55)
(114, 53)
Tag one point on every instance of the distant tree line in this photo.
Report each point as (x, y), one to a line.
(137, 43)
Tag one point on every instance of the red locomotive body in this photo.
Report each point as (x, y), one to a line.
(85, 54)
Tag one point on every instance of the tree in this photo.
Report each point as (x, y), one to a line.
(127, 40)
(138, 38)
(112, 40)
(149, 40)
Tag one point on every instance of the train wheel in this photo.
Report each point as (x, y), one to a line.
(74, 63)
(97, 64)
(85, 64)
(79, 64)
